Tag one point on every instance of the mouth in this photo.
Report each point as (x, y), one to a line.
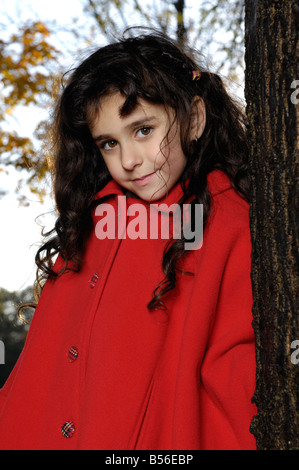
(144, 180)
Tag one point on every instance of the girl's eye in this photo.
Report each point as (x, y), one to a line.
(144, 131)
(109, 145)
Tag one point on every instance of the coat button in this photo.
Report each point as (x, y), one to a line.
(68, 429)
(72, 354)
(93, 280)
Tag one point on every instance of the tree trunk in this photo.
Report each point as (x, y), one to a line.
(272, 95)
(181, 29)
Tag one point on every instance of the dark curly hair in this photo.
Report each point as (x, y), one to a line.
(152, 67)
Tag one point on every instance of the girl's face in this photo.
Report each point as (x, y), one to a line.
(130, 147)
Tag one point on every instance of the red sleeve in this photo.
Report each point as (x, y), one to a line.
(4, 391)
(228, 369)
(2, 399)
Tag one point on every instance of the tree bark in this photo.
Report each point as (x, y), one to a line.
(271, 90)
(181, 29)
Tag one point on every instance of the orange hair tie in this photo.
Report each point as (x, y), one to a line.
(196, 75)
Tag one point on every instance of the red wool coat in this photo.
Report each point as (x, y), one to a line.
(99, 371)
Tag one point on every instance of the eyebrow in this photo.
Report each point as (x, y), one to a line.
(133, 124)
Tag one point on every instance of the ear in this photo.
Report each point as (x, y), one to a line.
(197, 118)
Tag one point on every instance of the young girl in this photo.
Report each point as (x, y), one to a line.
(141, 341)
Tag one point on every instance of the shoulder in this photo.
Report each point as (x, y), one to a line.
(227, 230)
(225, 253)
(227, 206)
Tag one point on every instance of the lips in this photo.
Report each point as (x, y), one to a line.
(144, 180)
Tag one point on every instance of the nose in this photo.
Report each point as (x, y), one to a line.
(130, 157)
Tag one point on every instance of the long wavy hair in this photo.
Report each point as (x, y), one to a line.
(152, 67)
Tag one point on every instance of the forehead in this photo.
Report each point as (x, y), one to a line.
(110, 107)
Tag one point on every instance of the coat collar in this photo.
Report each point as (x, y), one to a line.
(218, 182)
(114, 189)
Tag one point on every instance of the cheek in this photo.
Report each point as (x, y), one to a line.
(174, 161)
(177, 155)
(110, 165)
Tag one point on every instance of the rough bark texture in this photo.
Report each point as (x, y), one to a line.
(181, 29)
(272, 53)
